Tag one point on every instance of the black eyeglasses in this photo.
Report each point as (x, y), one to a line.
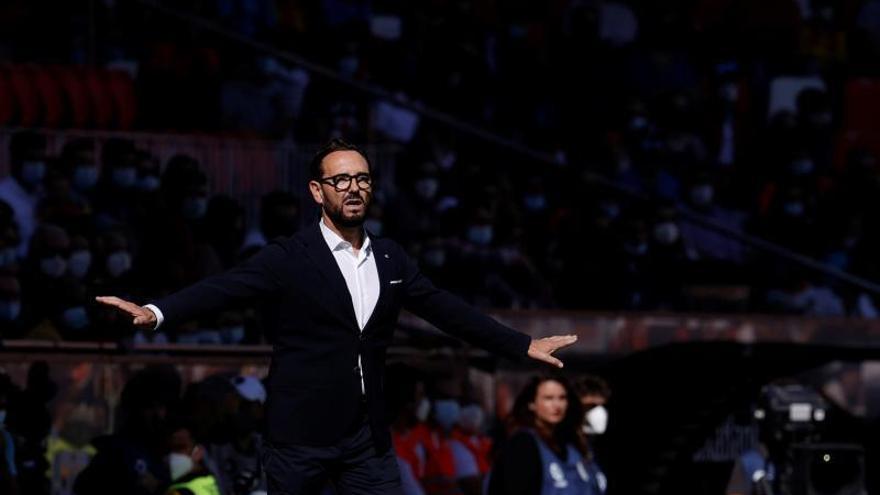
(342, 182)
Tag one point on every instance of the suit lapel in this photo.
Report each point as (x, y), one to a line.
(383, 268)
(319, 252)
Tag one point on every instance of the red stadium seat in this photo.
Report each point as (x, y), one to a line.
(50, 94)
(121, 88)
(77, 96)
(99, 94)
(862, 103)
(26, 96)
(7, 100)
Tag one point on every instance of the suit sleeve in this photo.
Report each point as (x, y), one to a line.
(454, 316)
(258, 276)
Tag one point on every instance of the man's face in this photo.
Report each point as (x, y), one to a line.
(346, 207)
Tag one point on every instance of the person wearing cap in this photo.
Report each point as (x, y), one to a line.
(332, 294)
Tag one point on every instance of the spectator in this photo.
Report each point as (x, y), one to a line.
(131, 459)
(189, 476)
(235, 464)
(8, 471)
(23, 187)
(547, 449)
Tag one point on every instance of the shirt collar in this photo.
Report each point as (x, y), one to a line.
(336, 243)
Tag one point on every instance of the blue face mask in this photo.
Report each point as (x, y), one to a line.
(148, 183)
(8, 256)
(124, 177)
(33, 172)
(195, 207)
(232, 335)
(85, 177)
(446, 413)
(480, 235)
(9, 310)
(75, 318)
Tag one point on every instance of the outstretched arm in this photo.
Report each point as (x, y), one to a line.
(452, 315)
(255, 277)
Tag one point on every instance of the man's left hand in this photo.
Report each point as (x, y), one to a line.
(542, 349)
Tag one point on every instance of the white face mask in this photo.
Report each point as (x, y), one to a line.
(596, 421)
(179, 465)
(423, 409)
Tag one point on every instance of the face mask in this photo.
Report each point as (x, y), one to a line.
(8, 256)
(596, 421)
(125, 176)
(423, 409)
(348, 66)
(373, 226)
(638, 123)
(79, 262)
(85, 177)
(446, 413)
(730, 92)
(702, 195)
(801, 167)
(636, 248)
(118, 263)
(9, 310)
(148, 183)
(53, 267)
(435, 258)
(794, 208)
(471, 417)
(666, 233)
(427, 187)
(2, 416)
(195, 207)
(75, 318)
(610, 210)
(33, 172)
(232, 335)
(179, 465)
(535, 202)
(480, 235)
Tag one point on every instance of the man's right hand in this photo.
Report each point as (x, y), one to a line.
(141, 316)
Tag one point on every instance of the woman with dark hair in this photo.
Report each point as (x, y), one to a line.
(545, 454)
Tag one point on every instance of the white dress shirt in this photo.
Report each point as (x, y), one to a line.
(358, 270)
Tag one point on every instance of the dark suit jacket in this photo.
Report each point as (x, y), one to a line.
(314, 381)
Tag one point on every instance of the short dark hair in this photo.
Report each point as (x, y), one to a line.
(335, 144)
(592, 385)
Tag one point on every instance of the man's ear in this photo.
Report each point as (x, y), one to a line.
(317, 193)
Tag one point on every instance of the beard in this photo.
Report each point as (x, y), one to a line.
(338, 215)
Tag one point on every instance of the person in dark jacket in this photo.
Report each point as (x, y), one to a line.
(332, 294)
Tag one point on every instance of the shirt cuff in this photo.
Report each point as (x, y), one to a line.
(158, 312)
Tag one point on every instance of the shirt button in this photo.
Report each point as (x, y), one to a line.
(357, 370)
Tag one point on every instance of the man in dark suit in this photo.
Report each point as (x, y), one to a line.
(332, 294)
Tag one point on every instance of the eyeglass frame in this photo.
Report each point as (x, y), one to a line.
(351, 179)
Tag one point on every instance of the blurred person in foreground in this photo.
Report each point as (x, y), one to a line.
(593, 393)
(8, 472)
(235, 463)
(332, 294)
(131, 460)
(546, 454)
(189, 476)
